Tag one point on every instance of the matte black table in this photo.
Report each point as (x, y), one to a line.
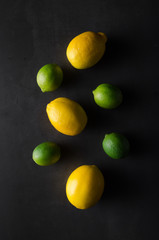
(33, 203)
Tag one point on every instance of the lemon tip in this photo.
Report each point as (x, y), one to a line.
(104, 36)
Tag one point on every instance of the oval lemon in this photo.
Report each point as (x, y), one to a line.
(85, 186)
(67, 116)
(86, 49)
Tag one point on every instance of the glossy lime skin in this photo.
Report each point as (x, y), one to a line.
(116, 145)
(108, 96)
(49, 77)
(46, 153)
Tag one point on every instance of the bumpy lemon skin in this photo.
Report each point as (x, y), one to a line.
(67, 116)
(85, 186)
(86, 49)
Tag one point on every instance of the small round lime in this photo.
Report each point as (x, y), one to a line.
(107, 96)
(46, 153)
(116, 145)
(49, 77)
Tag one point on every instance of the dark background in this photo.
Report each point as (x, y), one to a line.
(33, 203)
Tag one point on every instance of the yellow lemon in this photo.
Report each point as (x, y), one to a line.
(67, 116)
(85, 186)
(86, 49)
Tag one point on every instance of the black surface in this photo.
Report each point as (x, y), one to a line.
(33, 204)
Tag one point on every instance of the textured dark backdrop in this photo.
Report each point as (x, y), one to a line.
(33, 204)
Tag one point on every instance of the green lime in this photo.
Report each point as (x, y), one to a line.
(107, 96)
(116, 145)
(49, 77)
(46, 153)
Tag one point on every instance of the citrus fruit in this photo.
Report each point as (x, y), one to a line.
(67, 116)
(46, 153)
(116, 145)
(86, 49)
(85, 186)
(49, 77)
(107, 96)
